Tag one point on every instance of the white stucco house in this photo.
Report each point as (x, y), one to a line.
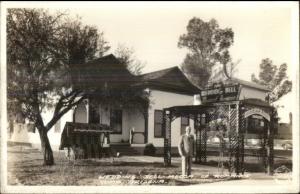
(167, 87)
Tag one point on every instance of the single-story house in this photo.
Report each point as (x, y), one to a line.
(164, 88)
(137, 120)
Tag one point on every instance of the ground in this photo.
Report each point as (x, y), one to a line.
(25, 168)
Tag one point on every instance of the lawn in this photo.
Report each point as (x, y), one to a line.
(24, 168)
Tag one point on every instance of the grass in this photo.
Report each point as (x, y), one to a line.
(25, 168)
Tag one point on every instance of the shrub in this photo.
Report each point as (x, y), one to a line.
(149, 150)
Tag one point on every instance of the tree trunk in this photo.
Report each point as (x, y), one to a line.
(46, 148)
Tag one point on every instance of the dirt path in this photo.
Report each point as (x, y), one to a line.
(24, 168)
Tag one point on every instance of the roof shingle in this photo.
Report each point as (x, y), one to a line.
(171, 78)
(104, 70)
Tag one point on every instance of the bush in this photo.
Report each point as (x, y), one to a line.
(149, 150)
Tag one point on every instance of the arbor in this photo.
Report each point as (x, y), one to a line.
(126, 56)
(273, 78)
(41, 47)
(208, 44)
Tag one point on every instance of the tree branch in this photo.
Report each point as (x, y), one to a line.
(61, 112)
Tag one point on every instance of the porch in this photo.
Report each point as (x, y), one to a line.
(229, 119)
(128, 125)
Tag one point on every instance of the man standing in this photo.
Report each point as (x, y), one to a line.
(185, 149)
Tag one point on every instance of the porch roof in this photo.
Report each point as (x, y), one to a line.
(200, 109)
(189, 110)
(249, 84)
(72, 130)
(256, 102)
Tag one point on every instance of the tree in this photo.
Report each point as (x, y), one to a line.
(230, 69)
(273, 78)
(208, 44)
(126, 56)
(82, 43)
(41, 48)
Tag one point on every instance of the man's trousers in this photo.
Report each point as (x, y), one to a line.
(186, 165)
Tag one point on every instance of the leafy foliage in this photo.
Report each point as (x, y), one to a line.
(126, 56)
(82, 43)
(208, 44)
(273, 78)
(41, 47)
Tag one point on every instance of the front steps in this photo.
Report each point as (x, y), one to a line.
(124, 149)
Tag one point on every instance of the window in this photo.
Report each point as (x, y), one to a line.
(31, 127)
(158, 121)
(185, 121)
(57, 127)
(94, 116)
(116, 120)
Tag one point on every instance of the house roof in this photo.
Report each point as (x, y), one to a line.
(169, 79)
(107, 70)
(256, 102)
(250, 84)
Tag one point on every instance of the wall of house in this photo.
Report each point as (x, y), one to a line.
(159, 101)
(247, 92)
(284, 131)
(132, 118)
(20, 133)
(54, 136)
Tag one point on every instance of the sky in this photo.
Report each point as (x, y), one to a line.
(152, 29)
(261, 30)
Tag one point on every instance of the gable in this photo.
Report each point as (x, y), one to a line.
(171, 79)
(102, 72)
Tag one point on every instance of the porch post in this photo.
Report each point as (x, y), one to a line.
(167, 116)
(234, 139)
(198, 137)
(203, 137)
(242, 125)
(237, 169)
(264, 149)
(146, 117)
(270, 147)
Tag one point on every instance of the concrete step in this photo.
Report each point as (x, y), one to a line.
(124, 150)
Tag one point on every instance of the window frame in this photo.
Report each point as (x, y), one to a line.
(94, 114)
(158, 123)
(110, 120)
